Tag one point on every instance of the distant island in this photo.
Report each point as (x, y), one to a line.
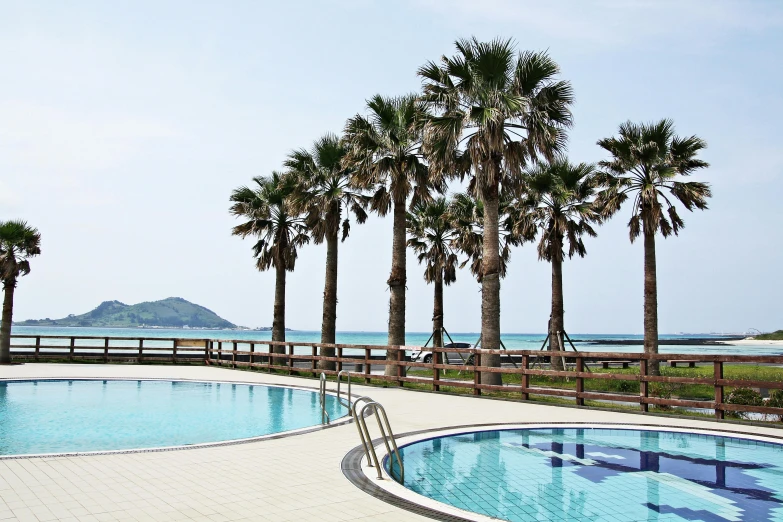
(173, 312)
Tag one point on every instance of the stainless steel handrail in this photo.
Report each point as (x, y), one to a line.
(386, 435)
(322, 398)
(339, 378)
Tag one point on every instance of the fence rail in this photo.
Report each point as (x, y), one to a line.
(303, 358)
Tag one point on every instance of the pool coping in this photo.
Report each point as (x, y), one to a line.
(390, 491)
(346, 419)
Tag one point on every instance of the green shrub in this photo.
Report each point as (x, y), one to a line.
(776, 401)
(664, 390)
(744, 396)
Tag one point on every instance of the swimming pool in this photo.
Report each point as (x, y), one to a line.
(64, 416)
(599, 474)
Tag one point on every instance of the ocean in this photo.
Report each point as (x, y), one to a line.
(512, 341)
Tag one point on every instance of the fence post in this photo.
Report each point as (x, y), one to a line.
(340, 359)
(220, 353)
(70, 353)
(718, 374)
(580, 381)
(313, 361)
(400, 354)
(174, 351)
(290, 359)
(37, 347)
(105, 349)
(141, 350)
(366, 365)
(435, 371)
(250, 356)
(207, 351)
(476, 373)
(643, 385)
(525, 378)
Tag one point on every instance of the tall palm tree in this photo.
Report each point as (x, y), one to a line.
(433, 233)
(18, 243)
(646, 161)
(560, 201)
(501, 109)
(384, 150)
(280, 231)
(323, 190)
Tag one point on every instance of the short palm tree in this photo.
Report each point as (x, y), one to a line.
(498, 109)
(646, 161)
(280, 232)
(323, 191)
(384, 151)
(560, 202)
(432, 233)
(468, 215)
(18, 243)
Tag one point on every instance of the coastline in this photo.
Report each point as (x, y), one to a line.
(752, 342)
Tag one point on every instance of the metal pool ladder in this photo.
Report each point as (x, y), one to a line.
(386, 435)
(348, 397)
(322, 398)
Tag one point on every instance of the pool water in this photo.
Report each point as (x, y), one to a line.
(66, 416)
(599, 474)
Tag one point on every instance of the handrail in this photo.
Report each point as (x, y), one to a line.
(339, 378)
(386, 435)
(322, 397)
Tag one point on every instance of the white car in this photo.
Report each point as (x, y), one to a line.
(425, 356)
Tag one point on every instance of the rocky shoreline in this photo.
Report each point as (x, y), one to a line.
(696, 341)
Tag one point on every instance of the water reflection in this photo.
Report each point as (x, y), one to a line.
(586, 474)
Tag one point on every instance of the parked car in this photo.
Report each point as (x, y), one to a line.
(425, 355)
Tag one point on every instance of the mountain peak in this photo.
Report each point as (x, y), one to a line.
(169, 312)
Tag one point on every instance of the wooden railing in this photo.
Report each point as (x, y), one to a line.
(303, 358)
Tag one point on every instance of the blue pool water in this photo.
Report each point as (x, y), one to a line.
(96, 415)
(599, 474)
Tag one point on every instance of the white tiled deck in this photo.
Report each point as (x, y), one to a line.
(291, 478)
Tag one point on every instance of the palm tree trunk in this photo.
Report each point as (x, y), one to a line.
(5, 327)
(650, 301)
(437, 311)
(396, 282)
(278, 321)
(329, 321)
(490, 285)
(556, 324)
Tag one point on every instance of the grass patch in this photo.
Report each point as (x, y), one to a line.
(774, 336)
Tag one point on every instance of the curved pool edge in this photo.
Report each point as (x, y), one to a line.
(390, 491)
(345, 419)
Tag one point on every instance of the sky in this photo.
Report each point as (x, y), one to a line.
(124, 127)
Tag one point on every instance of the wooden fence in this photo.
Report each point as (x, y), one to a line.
(303, 358)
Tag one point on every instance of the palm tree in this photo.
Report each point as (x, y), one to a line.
(560, 201)
(280, 233)
(646, 160)
(468, 215)
(433, 233)
(18, 243)
(323, 190)
(384, 152)
(501, 110)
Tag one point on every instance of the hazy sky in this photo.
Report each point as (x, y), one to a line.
(124, 126)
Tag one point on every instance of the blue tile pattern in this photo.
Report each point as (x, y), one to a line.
(590, 474)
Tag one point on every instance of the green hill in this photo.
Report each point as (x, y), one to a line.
(171, 312)
(774, 336)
